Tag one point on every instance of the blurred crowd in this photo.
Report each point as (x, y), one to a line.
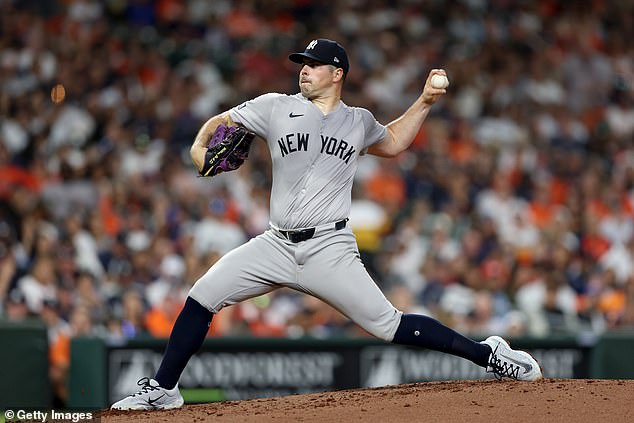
(512, 212)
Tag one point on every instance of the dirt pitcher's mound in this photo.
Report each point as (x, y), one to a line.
(551, 400)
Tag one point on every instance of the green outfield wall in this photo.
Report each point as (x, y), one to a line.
(24, 381)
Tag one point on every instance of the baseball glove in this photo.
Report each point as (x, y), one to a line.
(227, 150)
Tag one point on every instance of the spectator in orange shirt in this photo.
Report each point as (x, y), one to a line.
(593, 244)
(611, 300)
(160, 319)
(542, 211)
(386, 186)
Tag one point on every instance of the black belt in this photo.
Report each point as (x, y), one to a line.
(304, 234)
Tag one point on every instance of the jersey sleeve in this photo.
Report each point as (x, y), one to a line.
(374, 131)
(255, 114)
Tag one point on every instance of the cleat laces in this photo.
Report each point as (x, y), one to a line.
(503, 368)
(144, 383)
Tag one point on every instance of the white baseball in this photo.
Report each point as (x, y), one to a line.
(439, 81)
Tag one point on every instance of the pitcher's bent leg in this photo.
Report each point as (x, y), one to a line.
(241, 274)
(252, 269)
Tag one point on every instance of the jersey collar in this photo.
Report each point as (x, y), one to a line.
(339, 107)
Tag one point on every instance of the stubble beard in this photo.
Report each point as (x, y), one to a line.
(306, 91)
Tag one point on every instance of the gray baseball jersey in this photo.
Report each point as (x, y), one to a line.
(314, 160)
(314, 155)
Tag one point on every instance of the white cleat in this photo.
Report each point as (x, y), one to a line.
(150, 397)
(506, 362)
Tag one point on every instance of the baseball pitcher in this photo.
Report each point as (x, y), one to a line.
(315, 141)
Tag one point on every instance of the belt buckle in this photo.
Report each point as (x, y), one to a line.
(341, 224)
(298, 236)
(294, 236)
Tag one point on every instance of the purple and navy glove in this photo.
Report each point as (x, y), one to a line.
(227, 150)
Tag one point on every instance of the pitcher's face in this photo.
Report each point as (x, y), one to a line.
(315, 79)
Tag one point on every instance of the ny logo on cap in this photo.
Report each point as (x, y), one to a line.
(311, 45)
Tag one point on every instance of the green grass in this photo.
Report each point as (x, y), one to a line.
(202, 395)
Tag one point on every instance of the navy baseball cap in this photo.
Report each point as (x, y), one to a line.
(324, 51)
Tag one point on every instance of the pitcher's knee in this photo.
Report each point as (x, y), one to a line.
(203, 294)
(385, 328)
